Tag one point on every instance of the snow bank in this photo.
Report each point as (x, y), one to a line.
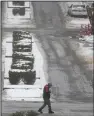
(85, 53)
(87, 38)
(23, 94)
(80, 21)
(76, 23)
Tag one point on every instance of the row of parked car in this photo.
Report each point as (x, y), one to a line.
(22, 59)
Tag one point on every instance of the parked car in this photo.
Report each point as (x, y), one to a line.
(29, 76)
(20, 49)
(23, 55)
(19, 11)
(21, 63)
(21, 34)
(77, 11)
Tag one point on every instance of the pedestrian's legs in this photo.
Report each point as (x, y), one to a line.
(40, 109)
(49, 106)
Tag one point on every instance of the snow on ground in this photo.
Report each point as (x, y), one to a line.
(76, 23)
(89, 39)
(85, 51)
(21, 91)
(79, 21)
(33, 94)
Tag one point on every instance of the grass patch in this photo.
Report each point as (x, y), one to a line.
(25, 113)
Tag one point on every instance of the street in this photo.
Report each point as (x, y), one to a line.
(74, 95)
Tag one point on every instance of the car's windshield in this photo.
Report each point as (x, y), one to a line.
(80, 6)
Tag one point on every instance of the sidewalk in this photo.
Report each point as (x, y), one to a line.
(60, 109)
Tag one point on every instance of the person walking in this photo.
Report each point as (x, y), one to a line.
(46, 98)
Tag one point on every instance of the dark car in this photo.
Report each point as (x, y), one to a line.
(19, 11)
(77, 11)
(28, 76)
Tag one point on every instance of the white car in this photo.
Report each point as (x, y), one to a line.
(77, 11)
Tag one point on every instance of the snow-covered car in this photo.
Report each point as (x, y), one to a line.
(25, 40)
(20, 49)
(23, 55)
(22, 66)
(24, 45)
(21, 34)
(28, 76)
(77, 11)
(21, 62)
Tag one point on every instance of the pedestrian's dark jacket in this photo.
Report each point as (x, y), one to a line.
(46, 92)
